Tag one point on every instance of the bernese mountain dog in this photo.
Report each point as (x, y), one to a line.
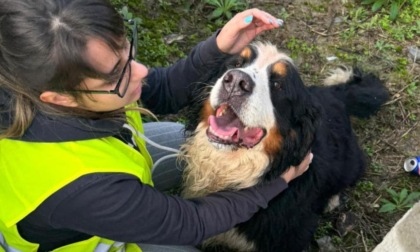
(256, 121)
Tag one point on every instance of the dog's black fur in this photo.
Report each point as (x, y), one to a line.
(312, 118)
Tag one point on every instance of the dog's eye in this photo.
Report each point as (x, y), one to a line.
(277, 85)
(239, 63)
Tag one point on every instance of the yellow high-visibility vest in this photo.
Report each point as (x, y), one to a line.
(30, 172)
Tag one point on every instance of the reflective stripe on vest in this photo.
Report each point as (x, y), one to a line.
(101, 247)
(117, 247)
(5, 247)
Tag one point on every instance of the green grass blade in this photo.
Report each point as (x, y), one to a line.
(387, 208)
(377, 5)
(394, 11)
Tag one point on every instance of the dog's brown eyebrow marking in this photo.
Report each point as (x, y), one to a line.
(246, 53)
(279, 68)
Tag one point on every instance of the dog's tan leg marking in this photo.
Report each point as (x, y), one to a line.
(333, 203)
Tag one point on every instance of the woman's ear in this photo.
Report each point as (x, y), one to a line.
(60, 99)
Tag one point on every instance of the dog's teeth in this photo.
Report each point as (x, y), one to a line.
(221, 112)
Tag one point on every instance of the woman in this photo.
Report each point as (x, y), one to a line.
(75, 175)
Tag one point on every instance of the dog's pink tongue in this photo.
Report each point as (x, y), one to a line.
(226, 128)
(230, 129)
(251, 137)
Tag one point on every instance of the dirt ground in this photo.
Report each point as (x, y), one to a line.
(321, 35)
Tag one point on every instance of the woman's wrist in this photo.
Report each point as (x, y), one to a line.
(287, 176)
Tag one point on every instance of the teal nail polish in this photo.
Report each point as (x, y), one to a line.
(248, 19)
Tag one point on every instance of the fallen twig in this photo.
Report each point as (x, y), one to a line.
(363, 240)
(320, 33)
(409, 130)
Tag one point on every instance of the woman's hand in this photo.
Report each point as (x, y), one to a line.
(294, 172)
(243, 28)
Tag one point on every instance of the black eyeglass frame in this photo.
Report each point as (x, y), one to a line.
(131, 56)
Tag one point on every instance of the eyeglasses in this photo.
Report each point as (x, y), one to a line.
(124, 80)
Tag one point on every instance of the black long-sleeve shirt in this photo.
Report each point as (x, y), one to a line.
(118, 206)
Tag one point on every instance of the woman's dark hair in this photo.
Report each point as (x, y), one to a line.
(42, 47)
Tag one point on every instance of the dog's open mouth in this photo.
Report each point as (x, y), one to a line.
(227, 129)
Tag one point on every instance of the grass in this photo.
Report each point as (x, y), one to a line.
(399, 201)
(225, 8)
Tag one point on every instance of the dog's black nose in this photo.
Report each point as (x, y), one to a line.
(238, 83)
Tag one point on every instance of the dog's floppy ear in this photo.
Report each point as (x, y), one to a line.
(305, 118)
(305, 124)
(299, 134)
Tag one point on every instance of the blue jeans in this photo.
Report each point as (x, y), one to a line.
(168, 173)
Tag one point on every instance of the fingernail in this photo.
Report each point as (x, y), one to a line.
(311, 157)
(248, 19)
(280, 22)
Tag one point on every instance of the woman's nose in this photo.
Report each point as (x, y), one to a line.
(138, 70)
